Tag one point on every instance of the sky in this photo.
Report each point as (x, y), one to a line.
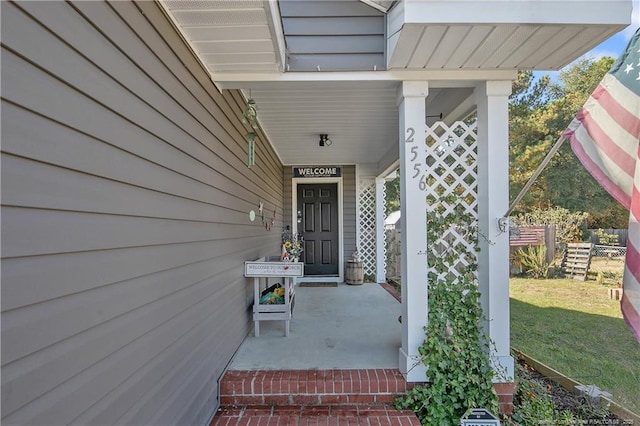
(612, 47)
(615, 45)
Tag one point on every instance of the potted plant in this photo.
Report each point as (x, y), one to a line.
(291, 245)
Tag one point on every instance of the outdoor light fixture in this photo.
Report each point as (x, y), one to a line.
(324, 140)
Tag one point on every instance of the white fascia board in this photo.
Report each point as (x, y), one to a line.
(376, 5)
(460, 78)
(540, 12)
(274, 22)
(395, 19)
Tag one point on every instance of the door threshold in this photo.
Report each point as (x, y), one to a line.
(320, 278)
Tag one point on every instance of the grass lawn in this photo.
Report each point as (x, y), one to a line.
(573, 327)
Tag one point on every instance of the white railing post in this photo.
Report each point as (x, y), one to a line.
(381, 264)
(493, 200)
(412, 108)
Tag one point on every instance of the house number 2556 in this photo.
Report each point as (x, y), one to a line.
(422, 183)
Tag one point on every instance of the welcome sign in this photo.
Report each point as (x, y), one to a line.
(317, 171)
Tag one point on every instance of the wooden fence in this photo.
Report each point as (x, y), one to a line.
(621, 233)
(534, 236)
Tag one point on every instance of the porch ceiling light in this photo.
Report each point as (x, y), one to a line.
(324, 140)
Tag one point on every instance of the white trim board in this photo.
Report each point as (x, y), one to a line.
(294, 223)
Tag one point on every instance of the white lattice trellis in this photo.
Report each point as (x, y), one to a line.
(452, 169)
(367, 224)
(383, 219)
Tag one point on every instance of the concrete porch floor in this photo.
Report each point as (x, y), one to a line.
(344, 327)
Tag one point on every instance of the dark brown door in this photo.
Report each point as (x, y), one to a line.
(318, 208)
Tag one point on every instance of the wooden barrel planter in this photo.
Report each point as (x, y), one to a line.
(354, 273)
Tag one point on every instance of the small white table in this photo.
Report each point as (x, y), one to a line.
(270, 267)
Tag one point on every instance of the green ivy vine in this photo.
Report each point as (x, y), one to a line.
(456, 350)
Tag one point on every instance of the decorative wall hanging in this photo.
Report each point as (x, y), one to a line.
(267, 222)
(249, 116)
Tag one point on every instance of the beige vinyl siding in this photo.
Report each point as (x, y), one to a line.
(349, 210)
(125, 201)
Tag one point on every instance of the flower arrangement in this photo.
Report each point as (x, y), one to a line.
(291, 245)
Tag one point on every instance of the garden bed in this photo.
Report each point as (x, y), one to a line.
(575, 328)
(561, 390)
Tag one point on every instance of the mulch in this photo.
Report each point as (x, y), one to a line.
(566, 400)
(393, 287)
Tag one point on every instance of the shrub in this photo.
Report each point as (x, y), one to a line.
(570, 226)
(607, 239)
(534, 261)
(533, 404)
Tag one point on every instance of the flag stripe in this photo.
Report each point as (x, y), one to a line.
(616, 108)
(610, 150)
(605, 136)
(635, 197)
(606, 148)
(630, 303)
(633, 258)
(598, 173)
(630, 314)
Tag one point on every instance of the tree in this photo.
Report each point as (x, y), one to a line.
(530, 137)
(540, 111)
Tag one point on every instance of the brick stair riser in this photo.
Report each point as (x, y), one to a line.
(312, 397)
(314, 415)
(308, 399)
(317, 387)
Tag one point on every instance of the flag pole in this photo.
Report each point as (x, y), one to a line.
(535, 175)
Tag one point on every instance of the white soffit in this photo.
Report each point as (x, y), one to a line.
(450, 43)
(230, 35)
(499, 34)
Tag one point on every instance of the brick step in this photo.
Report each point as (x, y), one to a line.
(310, 387)
(369, 415)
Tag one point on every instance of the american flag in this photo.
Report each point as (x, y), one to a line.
(605, 136)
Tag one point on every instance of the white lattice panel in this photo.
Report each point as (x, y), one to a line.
(384, 234)
(367, 224)
(452, 169)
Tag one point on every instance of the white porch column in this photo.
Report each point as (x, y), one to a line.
(493, 202)
(411, 102)
(381, 257)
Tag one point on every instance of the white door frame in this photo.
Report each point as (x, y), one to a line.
(294, 223)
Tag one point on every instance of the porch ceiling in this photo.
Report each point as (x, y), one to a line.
(450, 43)
(361, 118)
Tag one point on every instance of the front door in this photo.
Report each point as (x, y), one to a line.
(318, 207)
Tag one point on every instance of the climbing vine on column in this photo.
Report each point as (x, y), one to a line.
(456, 351)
